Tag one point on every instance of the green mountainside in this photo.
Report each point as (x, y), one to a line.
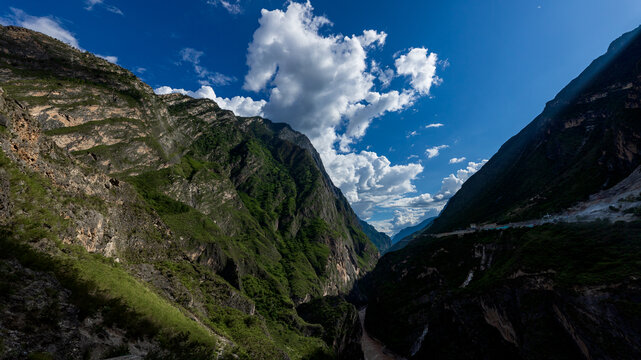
(560, 286)
(158, 226)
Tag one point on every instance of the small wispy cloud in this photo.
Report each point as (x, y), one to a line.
(413, 133)
(91, 4)
(455, 160)
(232, 6)
(207, 77)
(434, 151)
(434, 125)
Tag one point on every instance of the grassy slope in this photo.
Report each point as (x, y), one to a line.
(96, 282)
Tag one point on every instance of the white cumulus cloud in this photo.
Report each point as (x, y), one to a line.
(45, 24)
(451, 184)
(456, 160)
(327, 86)
(315, 81)
(435, 125)
(420, 66)
(240, 105)
(368, 179)
(434, 151)
(384, 76)
(111, 59)
(411, 210)
(321, 84)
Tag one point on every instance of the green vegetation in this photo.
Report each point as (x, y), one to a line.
(264, 193)
(53, 73)
(336, 316)
(40, 356)
(381, 240)
(98, 284)
(121, 155)
(118, 283)
(295, 271)
(578, 254)
(216, 230)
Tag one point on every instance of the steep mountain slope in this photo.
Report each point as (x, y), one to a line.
(563, 286)
(381, 240)
(208, 226)
(585, 140)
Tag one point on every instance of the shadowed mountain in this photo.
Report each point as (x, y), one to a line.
(403, 237)
(564, 286)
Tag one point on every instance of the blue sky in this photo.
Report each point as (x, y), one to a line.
(482, 69)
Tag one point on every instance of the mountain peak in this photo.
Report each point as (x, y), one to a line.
(167, 205)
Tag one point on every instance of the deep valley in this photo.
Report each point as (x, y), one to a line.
(165, 227)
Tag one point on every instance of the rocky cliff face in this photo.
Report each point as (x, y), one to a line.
(168, 204)
(544, 290)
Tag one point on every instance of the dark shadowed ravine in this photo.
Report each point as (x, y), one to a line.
(372, 348)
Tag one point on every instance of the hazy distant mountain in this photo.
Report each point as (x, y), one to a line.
(381, 240)
(408, 234)
(410, 230)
